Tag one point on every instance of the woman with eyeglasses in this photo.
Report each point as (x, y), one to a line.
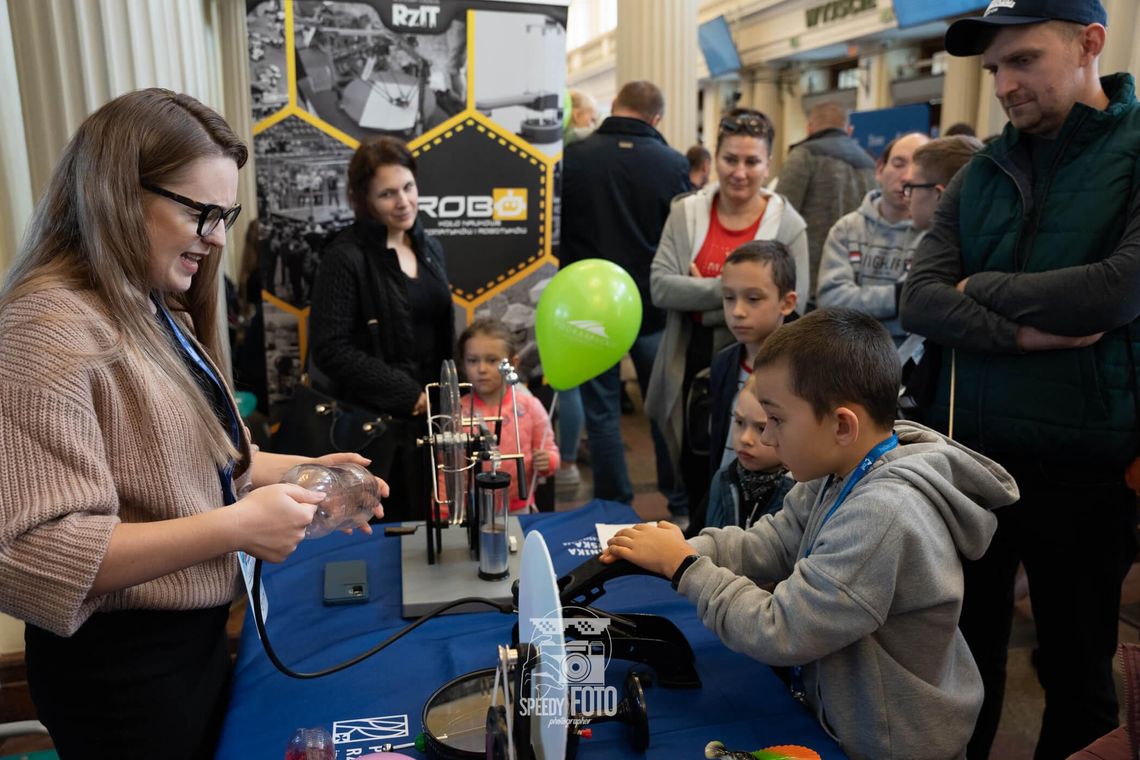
(702, 229)
(126, 455)
(386, 268)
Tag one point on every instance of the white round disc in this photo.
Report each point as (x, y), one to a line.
(540, 625)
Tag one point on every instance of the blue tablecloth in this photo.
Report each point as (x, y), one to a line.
(742, 703)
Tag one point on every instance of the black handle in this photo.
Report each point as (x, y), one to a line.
(524, 486)
(584, 584)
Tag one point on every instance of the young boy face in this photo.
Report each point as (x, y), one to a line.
(923, 200)
(748, 423)
(802, 443)
(753, 307)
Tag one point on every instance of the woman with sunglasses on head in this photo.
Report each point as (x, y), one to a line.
(127, 456)
(702, 229)
(384, 269)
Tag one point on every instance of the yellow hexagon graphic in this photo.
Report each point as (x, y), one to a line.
(484, 194)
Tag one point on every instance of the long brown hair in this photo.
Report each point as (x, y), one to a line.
(88, 232)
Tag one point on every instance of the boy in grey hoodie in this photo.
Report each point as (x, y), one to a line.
(866, 551)
(868, 252)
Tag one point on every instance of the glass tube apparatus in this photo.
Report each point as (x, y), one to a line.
(492, 495)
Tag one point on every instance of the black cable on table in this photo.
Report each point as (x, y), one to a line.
(504, 607)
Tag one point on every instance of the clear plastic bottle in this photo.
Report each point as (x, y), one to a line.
(310, 743)
(352, 495)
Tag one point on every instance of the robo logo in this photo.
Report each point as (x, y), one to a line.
(505, 204)
(424, 16)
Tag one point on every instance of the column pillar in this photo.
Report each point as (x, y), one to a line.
(991, 116)
(16, 202)
(767, 98)
(960, 91)
(658, 42)
(1120, 50)
(793, 125)
(874, 82)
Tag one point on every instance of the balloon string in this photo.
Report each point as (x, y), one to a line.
(534, 473)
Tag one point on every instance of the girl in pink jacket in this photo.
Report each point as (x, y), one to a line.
(482, 346)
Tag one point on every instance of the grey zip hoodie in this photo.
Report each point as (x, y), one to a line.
(872, 614)
(864, 260)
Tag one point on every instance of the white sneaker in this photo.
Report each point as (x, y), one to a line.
(566, 481)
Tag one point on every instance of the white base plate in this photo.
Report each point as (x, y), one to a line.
(454, 574)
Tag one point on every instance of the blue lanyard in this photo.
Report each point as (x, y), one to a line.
(864, 467)
(225, 475)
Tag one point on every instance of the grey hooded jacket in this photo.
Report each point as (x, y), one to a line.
(872, 614)
(865, 261)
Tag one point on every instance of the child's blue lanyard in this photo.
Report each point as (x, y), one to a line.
(864, 467)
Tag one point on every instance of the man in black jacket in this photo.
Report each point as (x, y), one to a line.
(616, 188)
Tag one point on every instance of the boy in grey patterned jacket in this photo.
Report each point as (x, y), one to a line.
(868, 252)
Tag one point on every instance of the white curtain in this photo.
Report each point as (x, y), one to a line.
(62, 59)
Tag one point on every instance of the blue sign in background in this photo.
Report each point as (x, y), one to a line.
(874, 129)
(715, 40)
(915, 12)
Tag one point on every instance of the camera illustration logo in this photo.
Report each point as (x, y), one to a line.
(574, 682)
(584, 663)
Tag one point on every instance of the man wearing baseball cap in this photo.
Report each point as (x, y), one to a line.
(1030, 279)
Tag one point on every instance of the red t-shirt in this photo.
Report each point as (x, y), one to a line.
(720, 242)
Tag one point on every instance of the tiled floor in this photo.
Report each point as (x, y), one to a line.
(1024, 702)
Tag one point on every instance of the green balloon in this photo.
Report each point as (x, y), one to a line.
(566, 109)
(587, 319)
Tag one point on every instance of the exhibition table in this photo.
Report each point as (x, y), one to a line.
(741, 702)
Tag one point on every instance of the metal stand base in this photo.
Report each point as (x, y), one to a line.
(454, 574)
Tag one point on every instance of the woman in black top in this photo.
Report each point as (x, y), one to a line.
(384, 266)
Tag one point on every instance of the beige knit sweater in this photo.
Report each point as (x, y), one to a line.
(83, 448)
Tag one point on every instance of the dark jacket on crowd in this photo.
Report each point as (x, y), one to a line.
(728, 504)
(340, 341)
(616, 188)
(1048, 233)
(723, 381)
(825, 177)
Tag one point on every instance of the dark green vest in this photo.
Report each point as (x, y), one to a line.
(1073, 406)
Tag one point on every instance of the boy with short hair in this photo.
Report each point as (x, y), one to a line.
(758, 284)
(931, 169)
(866, 550)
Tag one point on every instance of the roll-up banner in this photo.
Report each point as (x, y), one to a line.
(476, 88)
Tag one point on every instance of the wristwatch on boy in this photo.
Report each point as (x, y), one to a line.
(681, 568)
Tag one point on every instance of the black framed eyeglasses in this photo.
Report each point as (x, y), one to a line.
(746, 123)
(909, 187)
(209, 214)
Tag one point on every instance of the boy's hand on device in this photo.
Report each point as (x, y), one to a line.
(658, 547)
